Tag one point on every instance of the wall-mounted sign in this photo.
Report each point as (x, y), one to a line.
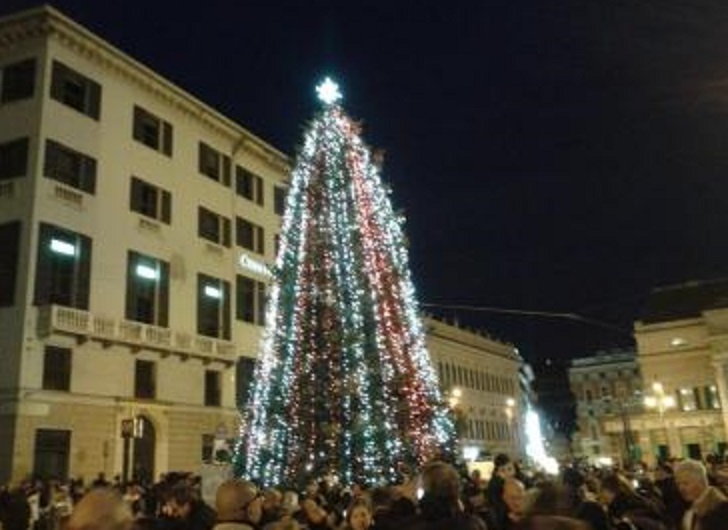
(253, 265)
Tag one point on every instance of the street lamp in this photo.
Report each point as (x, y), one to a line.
(659, 400)
(455, 395)
(513, 430)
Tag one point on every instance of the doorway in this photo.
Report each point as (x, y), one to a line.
(144, 447)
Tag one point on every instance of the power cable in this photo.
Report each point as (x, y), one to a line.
(546, 314)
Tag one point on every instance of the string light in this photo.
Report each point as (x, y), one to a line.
(344, 384)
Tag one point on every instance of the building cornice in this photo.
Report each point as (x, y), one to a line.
(440, 330)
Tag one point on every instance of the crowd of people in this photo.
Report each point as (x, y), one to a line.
(678, 495)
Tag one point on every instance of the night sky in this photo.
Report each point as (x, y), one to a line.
(561, 157)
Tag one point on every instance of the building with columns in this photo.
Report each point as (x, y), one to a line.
(675, 397)
(682, 341)
(137, 224)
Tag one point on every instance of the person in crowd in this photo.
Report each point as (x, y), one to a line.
(514, 493)
(440, 505)
(708, 508)
(312, 515)
(626, 508)
(238, 505)
(550, 509)
(272, 506)
(581, 495)
(15, 510)
(184, 510)
(502, 469)
(100, 481)
(675, 505)
(359, 514)
(101, 509)
(382, 498)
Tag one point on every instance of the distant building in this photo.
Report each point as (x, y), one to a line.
(682, 341)
(607, 388)
(483, 379)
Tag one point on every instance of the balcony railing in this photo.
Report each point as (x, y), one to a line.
(87, 326)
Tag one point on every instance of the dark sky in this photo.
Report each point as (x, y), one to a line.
(549, 156)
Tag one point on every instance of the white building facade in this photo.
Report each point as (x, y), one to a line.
(136, 223)
(482, 378)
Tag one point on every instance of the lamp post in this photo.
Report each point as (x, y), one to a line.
(513, 429)
(660, 402)
(458, 415)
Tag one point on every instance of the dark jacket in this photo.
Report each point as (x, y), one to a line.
(635, 511)
(712, 510)
(437, 514)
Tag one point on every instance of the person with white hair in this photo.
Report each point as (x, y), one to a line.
(708, 506)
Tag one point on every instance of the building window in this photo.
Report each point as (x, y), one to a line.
(213, 227)
(687, 400)
(152, 131)
(57, 368)
(145, 379)
(63, 271)
(18, 81)
(75, 90)
(712, 401)
(70, 167)
(213, 390)
(244, 372)
(250, 300)
(10, 243)
(151, 201)
(248, 185)
(147, 289)
(14, 159)
(214, 164)
(51, 454)
(279, 200)
(249, 235)
(213, 307)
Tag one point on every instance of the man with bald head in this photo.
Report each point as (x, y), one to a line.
(101, 509)
(238, 504)
(708, 506)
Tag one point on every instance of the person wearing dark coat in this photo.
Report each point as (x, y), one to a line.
(497, 510)
(708, 506)
(675, 505)
(627, 509)
(16, 511)
(440, 506)
(582, 505)
(184, 510)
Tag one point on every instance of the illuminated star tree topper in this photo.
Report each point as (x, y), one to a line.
(328, 92)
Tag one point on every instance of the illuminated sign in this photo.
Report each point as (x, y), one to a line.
(254, 265)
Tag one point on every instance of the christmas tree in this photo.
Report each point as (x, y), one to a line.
(344, 384)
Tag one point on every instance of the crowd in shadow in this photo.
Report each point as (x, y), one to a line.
(677, 495)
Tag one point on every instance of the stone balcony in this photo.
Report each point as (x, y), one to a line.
(84, 325)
